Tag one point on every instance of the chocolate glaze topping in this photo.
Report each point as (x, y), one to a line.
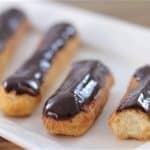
(139, 97)
(28, 78)
(9, 23)
(80, 88)
(142, 73)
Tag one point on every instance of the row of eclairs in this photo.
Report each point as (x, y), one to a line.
(73, 108)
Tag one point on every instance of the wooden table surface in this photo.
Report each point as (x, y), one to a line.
(136, 11)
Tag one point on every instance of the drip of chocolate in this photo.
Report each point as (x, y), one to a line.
(29, 77)
(80, 87)
(139, 97)
(9, 23)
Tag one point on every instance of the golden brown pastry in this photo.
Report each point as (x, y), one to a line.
(131, 120)
(21, 92)
(13, 27)
(73, 108)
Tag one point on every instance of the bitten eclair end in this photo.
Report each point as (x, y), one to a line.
(73, 108)
(22, 91)
(131, 120)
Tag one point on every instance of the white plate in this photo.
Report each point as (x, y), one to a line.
(122, 46)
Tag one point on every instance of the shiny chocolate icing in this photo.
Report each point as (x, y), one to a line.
(29, 77)
(10, 20)
(139, 98)
(142, 73)
(80, 88)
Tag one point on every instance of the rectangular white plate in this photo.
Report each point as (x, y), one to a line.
(120, 45)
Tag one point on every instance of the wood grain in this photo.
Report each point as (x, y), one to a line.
(6, 145)
(136, 11)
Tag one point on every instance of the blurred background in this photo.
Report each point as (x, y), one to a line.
(135, 11)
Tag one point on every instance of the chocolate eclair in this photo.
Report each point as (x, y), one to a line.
(22, 91)
(13, 27)
(132, 117)
(73, 108)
